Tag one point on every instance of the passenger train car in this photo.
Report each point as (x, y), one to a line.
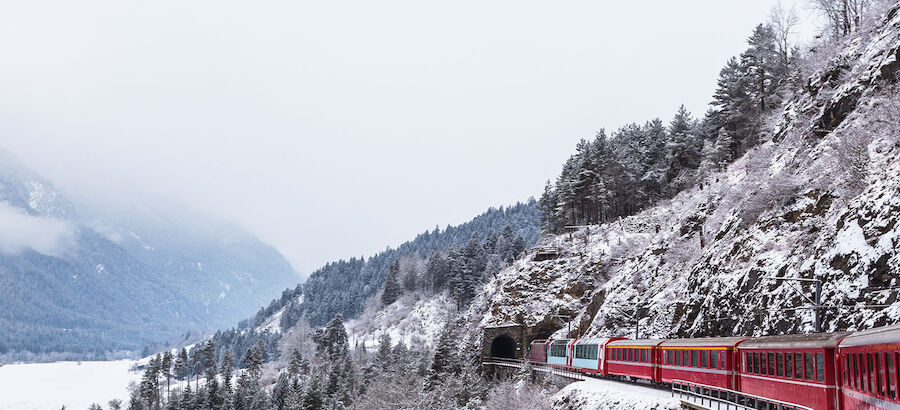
(842, 371)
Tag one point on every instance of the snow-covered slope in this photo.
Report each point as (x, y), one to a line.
(819, 198)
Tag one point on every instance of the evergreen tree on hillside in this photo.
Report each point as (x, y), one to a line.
(391, 285)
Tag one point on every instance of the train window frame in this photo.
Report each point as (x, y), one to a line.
(771, 363)
(558, 346)
(808, 366)
(891, 367)
(798, 365)
(820, 367)
(748, 362)
(845, 364)
(789, 365)
(703, 358)
(868, 386)
(779, 364)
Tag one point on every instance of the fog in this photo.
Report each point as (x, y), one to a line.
(334, 129)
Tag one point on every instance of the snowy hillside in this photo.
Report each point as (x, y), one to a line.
(819, 198)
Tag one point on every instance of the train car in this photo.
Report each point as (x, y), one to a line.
(870, 369)
(561, 352)
(708, 361)
(590, 354)
(633, 358)
(538, 350)
(798, 369)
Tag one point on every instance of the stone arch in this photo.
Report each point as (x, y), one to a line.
(503, 346)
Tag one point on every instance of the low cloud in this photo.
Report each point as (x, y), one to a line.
(19, 231)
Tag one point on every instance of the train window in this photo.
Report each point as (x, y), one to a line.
(798, 365)
(630, 355)
(762, 364)
(846, 366)
(891, 375)
(678, 357)
(779, 363)
(855, 371)
(871, 372)
(694, 358)
(644, 355)
(820, 367)
(686, 357)
(879, 374)
(558, 349)
(771, 364)
(788, 365)
(586, 352)
(712, 359)
(808, 366)
(748, 363)
(756, 363)
(703, 358)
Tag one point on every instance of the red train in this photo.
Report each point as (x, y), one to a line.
(846, 371)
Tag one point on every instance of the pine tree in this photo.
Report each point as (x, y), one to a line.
(181, 365)
(391, 285)
(295, 363)
(227, 371)
(166, 366)
(383, 355)
(253, 360)
(312, 400)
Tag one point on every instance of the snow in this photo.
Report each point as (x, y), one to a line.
(602, 394)
(791, 207)
(411, 319)
(71, 384)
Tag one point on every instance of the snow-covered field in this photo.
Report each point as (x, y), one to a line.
(53, 385)
(597, 394)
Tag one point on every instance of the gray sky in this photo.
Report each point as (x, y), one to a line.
(335, 128)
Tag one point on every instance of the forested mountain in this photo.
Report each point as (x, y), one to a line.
(83, 281)
(456, 260)
(343, 286)
(639, 164)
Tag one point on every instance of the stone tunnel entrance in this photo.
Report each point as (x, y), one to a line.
(503, 346)
(504, 341)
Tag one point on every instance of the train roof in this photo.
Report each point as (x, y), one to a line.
(811, 340)
(878, 335)
(704, 342)
(593, 340)
(638, 342)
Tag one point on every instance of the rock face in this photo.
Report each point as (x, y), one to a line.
(820, 198)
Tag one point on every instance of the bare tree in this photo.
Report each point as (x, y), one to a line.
(844, 16)
(784, 21)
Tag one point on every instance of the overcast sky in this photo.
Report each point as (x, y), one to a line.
(335, 128)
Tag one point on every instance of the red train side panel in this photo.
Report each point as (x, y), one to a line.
(869, 374)
(634, 358)
(797, 369)
(708, 361)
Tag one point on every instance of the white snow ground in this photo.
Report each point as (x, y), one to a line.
(599, 394)
(39, 386)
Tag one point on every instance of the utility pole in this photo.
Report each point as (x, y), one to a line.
(816, 301)
(638, 314)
